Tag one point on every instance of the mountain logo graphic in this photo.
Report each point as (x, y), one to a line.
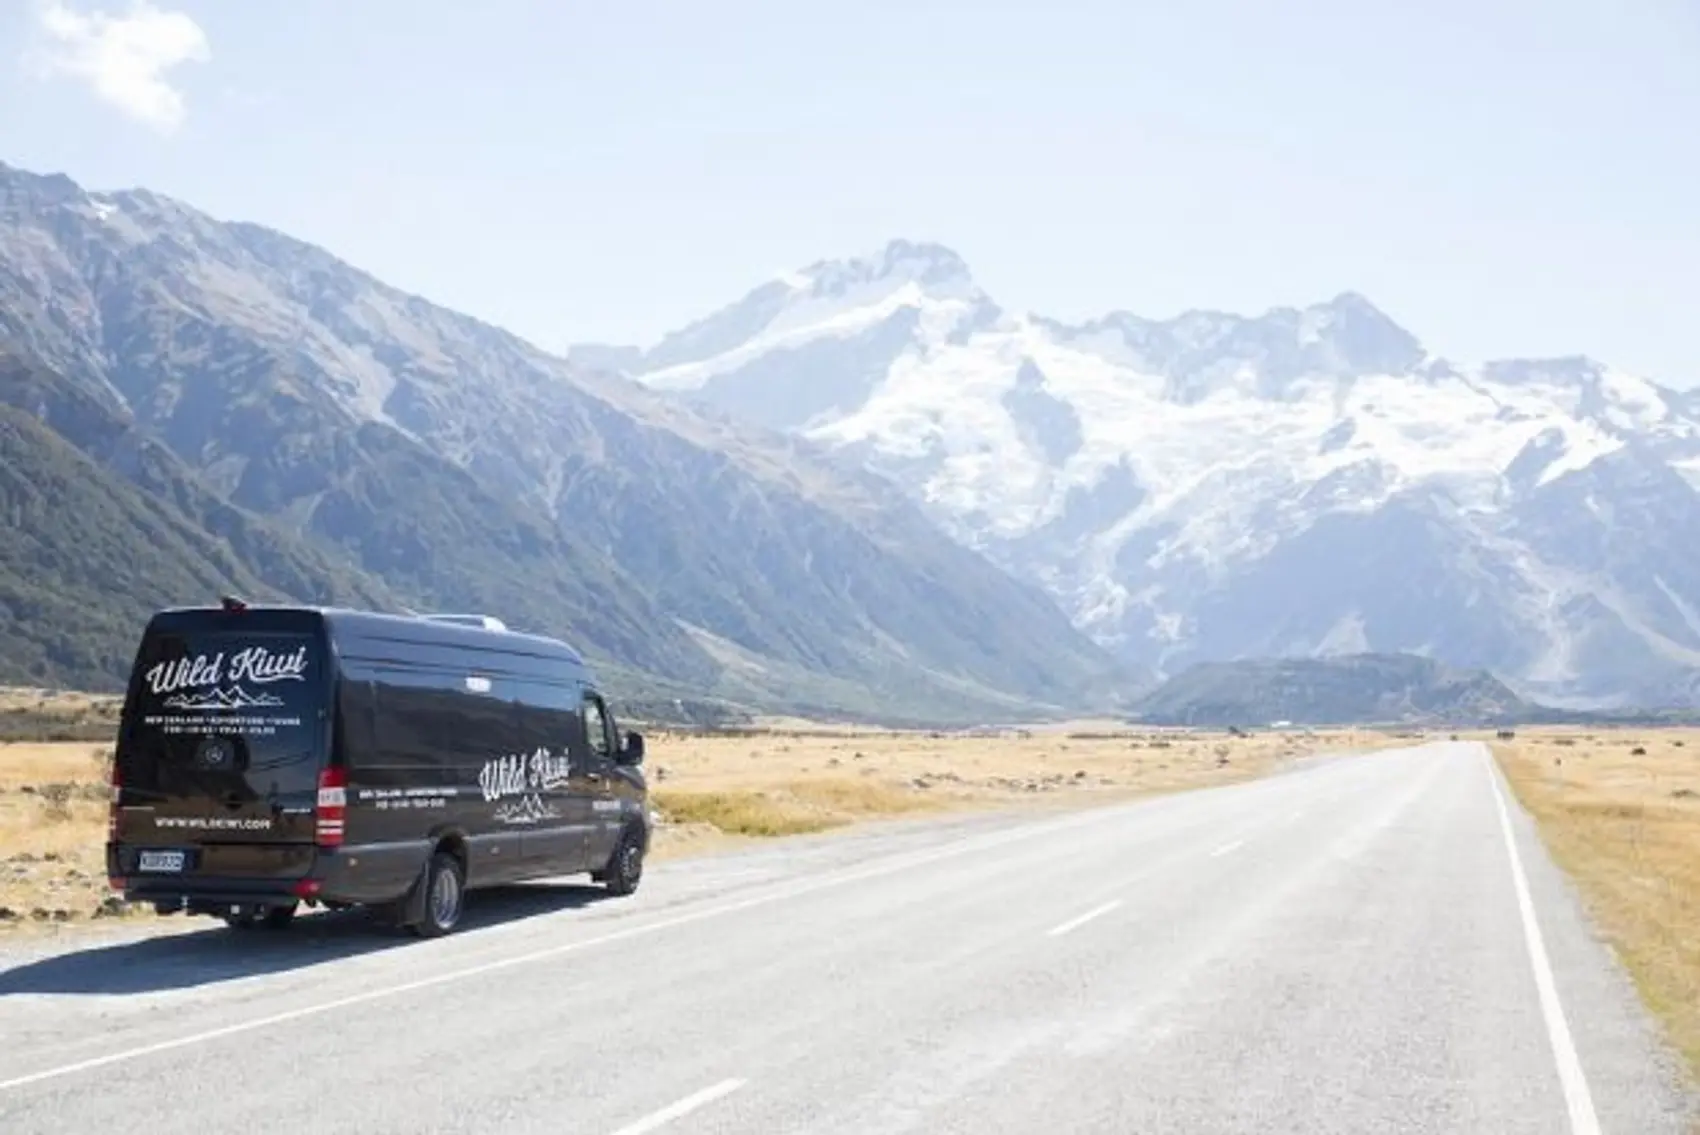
(234, 698)
(525, 810)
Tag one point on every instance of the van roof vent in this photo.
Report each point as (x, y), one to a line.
(487, 622)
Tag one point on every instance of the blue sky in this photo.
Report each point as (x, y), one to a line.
(1505, 177)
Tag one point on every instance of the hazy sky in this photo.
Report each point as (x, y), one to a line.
(1504, 177)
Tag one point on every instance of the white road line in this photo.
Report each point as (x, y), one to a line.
(1082, 920)
(1577, 1098)
(1227, 847)
(873, 871)
(683, 1107)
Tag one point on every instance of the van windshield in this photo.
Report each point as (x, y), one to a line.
(220, 712)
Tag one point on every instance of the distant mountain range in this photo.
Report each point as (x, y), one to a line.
(864, 489)
(190, 407)
(1303, 483)
(1349, 689)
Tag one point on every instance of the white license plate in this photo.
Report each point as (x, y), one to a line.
(162, 862)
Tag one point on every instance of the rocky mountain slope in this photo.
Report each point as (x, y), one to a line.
(441, 461)
(1302, 483)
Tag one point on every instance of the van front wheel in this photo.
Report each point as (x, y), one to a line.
(625, 867)
(445, 897)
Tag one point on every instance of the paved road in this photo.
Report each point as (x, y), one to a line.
(1342, 948)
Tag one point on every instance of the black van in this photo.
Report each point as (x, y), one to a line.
(270, 756)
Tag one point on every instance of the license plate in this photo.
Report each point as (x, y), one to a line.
(162, 862)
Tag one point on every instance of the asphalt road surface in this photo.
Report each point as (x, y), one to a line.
(1373, 944)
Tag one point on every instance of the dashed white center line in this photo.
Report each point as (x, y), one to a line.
(1082, 920)
(1227, 847)
(682, 1108)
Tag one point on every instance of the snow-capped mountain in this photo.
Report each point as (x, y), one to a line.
(1213, 486)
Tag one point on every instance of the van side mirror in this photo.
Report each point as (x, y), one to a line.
(631, 753)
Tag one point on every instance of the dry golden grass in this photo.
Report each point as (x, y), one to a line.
(56, 715)
(787, 809)
(53, 801)
(68, 704)
(713, 790)
(1620, 812)
(792, 777)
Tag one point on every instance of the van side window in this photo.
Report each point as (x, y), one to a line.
(597, 727)
(425, 717)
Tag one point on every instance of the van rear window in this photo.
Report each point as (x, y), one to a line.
(244, 705)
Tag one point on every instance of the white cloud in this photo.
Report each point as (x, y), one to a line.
(124, 59)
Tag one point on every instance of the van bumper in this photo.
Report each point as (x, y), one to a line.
(337, 876)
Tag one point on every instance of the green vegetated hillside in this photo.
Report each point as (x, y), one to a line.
(1348, 689)
(98, 537)
(87, 556)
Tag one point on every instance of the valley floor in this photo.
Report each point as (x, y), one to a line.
(1618, 809)
(1372, 943)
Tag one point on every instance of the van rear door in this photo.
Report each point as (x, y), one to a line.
(226, 728)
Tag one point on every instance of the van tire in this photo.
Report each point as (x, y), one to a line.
(445, 897)
(624, 870)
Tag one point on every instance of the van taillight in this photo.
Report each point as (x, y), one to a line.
(114, 788)
(332, 807)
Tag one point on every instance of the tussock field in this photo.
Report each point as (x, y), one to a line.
(53, 802)
(1620, 812)
(791, 777)
(57, 715)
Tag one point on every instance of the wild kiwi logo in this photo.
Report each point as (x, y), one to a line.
(522, 773)
(215, 682)
(519, 779)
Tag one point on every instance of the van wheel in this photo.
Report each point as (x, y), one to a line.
(445, 897)
(625, 867)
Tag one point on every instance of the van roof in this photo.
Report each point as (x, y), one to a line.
(417, 628)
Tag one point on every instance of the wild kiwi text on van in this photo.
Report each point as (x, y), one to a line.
(522, 773)
(251, 664)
